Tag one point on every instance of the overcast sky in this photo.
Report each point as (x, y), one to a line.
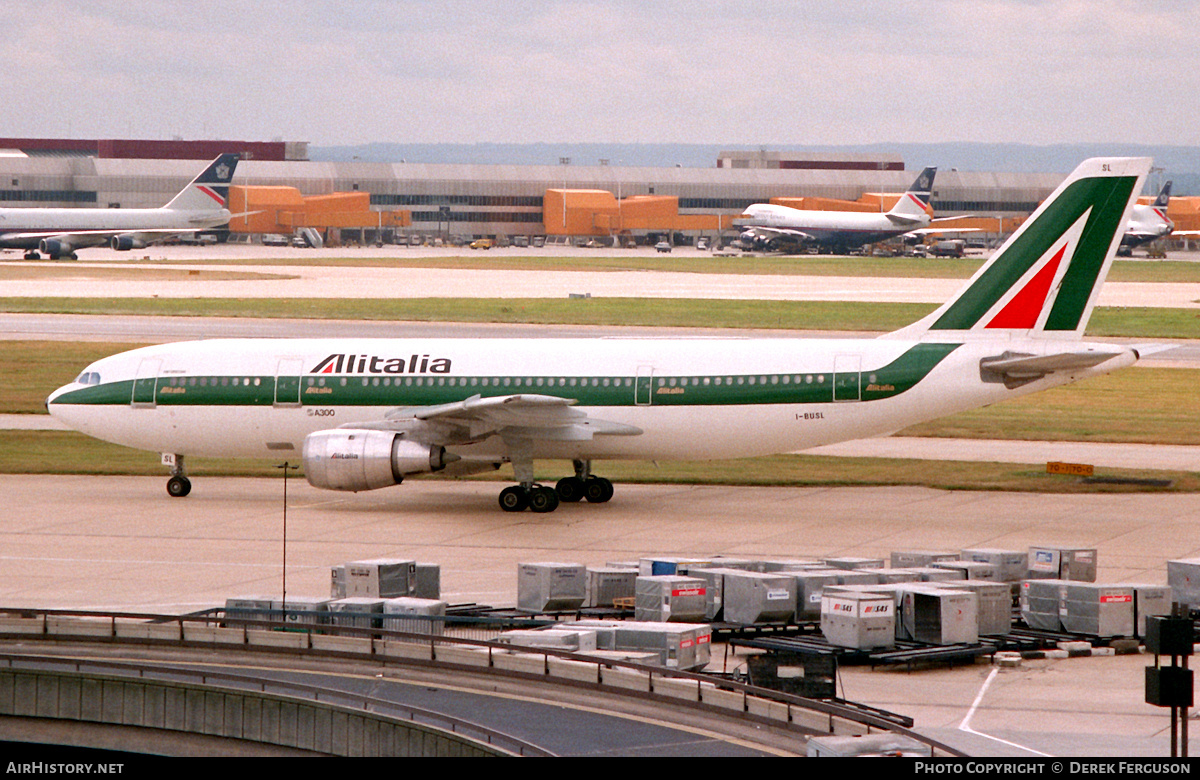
(749, 73)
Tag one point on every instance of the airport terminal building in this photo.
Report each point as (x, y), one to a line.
(499, 201)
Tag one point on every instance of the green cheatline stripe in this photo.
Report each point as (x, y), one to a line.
(890, 380)
(1107, 197)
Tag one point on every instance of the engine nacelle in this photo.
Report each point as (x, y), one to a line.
(349, 459)
(54, 247)
(125, 243)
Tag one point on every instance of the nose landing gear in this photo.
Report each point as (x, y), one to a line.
(178, 485)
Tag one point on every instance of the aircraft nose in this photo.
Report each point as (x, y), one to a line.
(51, 398)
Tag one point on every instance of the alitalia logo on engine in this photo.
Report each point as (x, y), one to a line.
(376, 364)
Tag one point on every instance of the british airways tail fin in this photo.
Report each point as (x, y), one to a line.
(1164, 197)
(210, 190)
(913, 203)
(1045, 279)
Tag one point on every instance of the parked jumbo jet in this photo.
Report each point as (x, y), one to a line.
(366, 413)
(769, 224)
(59, 232)
(1147, 223)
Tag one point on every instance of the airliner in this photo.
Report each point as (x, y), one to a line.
(840, 231)
(59, 232)
(362, 414)
(1147, 223)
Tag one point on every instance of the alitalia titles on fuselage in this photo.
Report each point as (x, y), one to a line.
(376, 364)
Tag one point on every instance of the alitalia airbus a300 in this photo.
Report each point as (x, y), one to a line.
(366, 413)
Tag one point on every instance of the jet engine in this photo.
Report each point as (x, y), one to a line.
(125, 243)
(54, 247)
(349, 459)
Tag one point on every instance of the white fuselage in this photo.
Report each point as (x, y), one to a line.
(24, 228)
(692, 399)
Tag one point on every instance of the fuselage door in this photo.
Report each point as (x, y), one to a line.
(287, 381)
(145, 383)
(643, 387)
(847, 382)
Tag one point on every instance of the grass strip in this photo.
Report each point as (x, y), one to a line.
(1111, 322)
(55, 452)
(684, 262)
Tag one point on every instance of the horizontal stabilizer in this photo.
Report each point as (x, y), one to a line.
(1015, 369)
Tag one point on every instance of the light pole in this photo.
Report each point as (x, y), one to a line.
(286, 468)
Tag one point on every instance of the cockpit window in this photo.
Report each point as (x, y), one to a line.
(89, 378)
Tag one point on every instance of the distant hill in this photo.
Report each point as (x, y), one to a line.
(1180, 164)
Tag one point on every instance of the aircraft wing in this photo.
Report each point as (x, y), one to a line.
(775, 232)
(86, 238)
(76, 238)
(1015, 369)
(941, 231)
(527, 416)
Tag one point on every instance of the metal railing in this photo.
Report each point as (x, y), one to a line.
(869, 718)
(166, 672)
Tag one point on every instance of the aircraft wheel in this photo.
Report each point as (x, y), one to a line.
(514, 499)
(178, 487)
(569, 489)
(597, 490)
(543, 499)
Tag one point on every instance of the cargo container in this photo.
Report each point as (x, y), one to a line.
(428, 581)
(567, 639)
(751, 597)
(911, 559)
(894, 575)
(714, 590)
(972, 570)
(1063, 563)
(669, 599)
(1098, 610)
(686, 646)
(551, 587)
(936, 574)
(859, 576)
(383, 578)
(771, 565)
(1041, 603)
(865, 621)
(356, 612)
(1011, 565)
(940, 615)
(853, 562)
(658, 566)
(605, 584)
(302, 610)
(867, 746)
(993, 602)
(1183, 577)
(809, 586)
(250, 608)
(415, 615)
(1150, 600)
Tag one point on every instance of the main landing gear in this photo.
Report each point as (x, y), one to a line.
(178, 485)
(541, 498)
